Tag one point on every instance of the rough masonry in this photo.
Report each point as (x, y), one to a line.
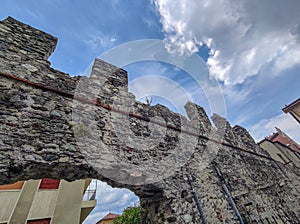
(63, 127)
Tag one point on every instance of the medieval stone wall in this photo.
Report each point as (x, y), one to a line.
(54, 125)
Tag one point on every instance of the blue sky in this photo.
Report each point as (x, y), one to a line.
(250, 48)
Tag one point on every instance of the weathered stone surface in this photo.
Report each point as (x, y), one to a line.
(47, 133)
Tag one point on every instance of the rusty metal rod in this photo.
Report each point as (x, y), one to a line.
(108, 107)
(199, 207)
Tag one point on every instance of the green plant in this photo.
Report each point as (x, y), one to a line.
(131, 215)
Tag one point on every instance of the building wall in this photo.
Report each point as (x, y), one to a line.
(296, 112)
(69, 202)
(289, 153)
(280, 153)
(43, 204)
(294, 109)
(8, 200)
(274, 151)
(62, 205)
(22, 208)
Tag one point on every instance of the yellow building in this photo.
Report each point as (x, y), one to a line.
(282, 148)
(45, 201)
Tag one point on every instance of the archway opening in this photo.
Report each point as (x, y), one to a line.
(111, 202)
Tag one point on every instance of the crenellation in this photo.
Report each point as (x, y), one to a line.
(224, 130)
(54, 125)
(198, 116)
(246, 141)
(21, 38)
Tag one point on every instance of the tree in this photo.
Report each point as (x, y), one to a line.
(131, 215)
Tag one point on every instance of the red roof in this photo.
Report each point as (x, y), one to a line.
(109, 216)
(284, 139)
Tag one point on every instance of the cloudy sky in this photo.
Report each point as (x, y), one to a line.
(110, 199)
(251, 49)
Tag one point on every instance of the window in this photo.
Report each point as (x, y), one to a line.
(40, 221)
(48, 183)
(281, 157)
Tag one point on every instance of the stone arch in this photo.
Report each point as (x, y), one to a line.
(53, 126)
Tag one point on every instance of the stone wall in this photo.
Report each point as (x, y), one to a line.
(54, 125)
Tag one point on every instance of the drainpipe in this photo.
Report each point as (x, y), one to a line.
(233, 205)
(199, 207)
(236, 211)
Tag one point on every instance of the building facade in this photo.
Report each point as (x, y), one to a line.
(293, 109)
(282, 148)
(45, 201)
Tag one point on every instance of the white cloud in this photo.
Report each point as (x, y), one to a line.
(98, 40)
(287, 60)
(283, 121)
(110, 199)
(174, 88)
(244, 36)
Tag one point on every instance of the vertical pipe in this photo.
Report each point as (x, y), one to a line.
(199, 207)
(236, 211)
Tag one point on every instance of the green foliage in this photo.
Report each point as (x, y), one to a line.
(130, 215)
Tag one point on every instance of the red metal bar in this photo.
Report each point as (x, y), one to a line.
(108, 107)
